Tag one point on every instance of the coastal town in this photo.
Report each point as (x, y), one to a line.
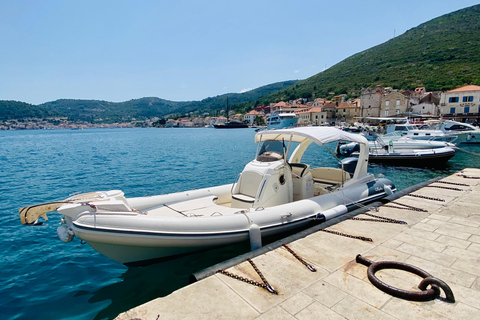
(461, 104)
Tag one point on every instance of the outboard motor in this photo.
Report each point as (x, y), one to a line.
(349, 164)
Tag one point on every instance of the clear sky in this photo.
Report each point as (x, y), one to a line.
(119, 50)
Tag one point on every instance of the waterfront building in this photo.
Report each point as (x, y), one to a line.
(461, 104)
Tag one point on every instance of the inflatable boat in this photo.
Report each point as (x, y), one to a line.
(276, 192)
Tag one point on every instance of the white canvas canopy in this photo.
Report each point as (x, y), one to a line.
(320, 135)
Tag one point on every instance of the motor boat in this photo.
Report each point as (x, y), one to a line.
(471, 133)
(403, 151)
(425, 133)
(395, 140)
(231, 125)
(276, 192)
(281, 119)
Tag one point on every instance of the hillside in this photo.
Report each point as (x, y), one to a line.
(104, 111)
(440, 54)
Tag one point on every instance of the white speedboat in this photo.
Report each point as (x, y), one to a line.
(281, 120)
(472, 133)
(276, 192)
(413, 132)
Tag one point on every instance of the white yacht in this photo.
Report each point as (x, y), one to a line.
(280, 120)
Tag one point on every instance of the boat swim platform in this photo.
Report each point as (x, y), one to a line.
(441, 236)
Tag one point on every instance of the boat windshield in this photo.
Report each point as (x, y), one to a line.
(271, 150)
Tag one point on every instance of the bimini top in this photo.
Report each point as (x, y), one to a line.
(320, 135)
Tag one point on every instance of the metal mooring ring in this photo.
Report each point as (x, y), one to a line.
(428, 279)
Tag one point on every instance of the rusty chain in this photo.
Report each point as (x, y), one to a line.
(378, 219)
(348, 235)
(442, 187)
(467, 177)
(404, 207)
(425, 197)
(265, 285)
(309, 266)
(453, 183)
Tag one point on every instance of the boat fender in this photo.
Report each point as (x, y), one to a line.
(65, 233)
(388, 190)
(255, 236)
(331, 213)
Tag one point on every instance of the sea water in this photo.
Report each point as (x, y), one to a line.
(44, 278)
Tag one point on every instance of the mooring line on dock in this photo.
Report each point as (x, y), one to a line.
(404, 207)
(453, 183)
(447, 188)
(425, 197)
(467, 177)
(265, 285)
(309, 266)
(378, 219)
(338, 233)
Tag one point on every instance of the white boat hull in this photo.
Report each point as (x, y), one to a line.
(272, 195)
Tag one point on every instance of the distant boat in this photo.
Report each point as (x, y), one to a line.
(231, 125)
(404, 152)
(281, 120)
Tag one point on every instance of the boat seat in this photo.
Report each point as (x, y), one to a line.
(330, 175)
(328, 179)
(245, 190)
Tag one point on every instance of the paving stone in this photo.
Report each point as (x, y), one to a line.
(465, 222)
(447, 274)
(476, 284)
(474, 238)
(461, 253)
(404, 309)
(325, 293)
(468, 296)
(297, 303)
(194, 302)
(454, 231)
(468, 265)
(318, 311)
(276, 313)
(429, 235)
(475, 247)
(357, 288)
(420, 242)
(392, 243)
(424, 226)
(353, 308)
(441, 258)
(439, 217)
(451, 241)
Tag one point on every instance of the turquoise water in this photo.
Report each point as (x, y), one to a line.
(43, 278)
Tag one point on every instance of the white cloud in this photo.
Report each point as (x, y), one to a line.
(296, 71)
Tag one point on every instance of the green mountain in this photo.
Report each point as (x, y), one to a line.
(441, 54)
(104, 111)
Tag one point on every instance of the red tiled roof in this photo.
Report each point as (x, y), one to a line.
(466, 88)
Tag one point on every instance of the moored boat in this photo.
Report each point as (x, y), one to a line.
(276, 192)
(282, 119)
(231, 125)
